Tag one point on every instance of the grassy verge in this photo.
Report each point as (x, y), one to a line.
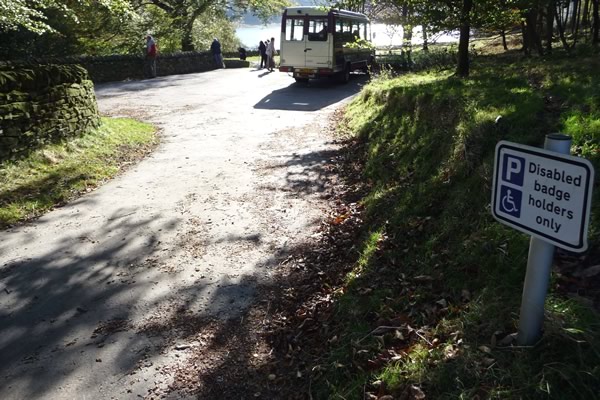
(60, 172)
(431, 304)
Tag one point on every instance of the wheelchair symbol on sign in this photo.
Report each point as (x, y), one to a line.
(508, 203)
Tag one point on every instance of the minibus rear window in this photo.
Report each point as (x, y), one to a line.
(294, 29)
(317, 29)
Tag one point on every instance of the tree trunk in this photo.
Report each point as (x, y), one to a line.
(504, 44)
(425, 44)
(187, 42)
(532, 34)
(586, 13)
(577, 23)
(567, 12)
(462, 69)
(595, 22)
(406, 32)
(561, 31)
(187, 38)
(408, 43)
(550, 25)
(525, 39)
(575, 15)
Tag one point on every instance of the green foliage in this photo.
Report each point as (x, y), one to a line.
(441, 263)
(359, 43)
(419, 60)
(16, 14)
(210, 26)
(183, 14)
(32, 15)
(77, 27)
(41, 28)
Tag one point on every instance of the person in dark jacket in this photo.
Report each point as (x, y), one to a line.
(242, 53)
(262, 50)
(215, 48)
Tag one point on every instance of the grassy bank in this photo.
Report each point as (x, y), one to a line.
(57, 173)
(434, 298)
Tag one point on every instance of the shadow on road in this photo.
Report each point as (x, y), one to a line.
(122, 88)
(311, 96)
(308, 173)
(73, 315)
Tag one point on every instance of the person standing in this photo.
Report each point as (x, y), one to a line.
(271, 55)
(262, 50)
(215, 48)
(151, 51)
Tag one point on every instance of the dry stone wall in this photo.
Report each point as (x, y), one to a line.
(40, 104)
(125, 67)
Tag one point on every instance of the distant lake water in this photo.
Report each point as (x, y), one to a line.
(383, 35)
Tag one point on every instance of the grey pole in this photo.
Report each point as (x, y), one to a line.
(539, 265)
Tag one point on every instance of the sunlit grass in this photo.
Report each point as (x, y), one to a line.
(59, 172)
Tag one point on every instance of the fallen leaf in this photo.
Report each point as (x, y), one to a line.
(508, 340)
(485, 349)
(442, 303)
(487, 361)
(416, 393)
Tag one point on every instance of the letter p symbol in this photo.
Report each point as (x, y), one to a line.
(513, 169)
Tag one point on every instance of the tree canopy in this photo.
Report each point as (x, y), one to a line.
(58, 27)
(55, 27)
(541, 22)
(32, 15)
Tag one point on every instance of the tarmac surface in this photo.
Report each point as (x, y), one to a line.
(87, 291)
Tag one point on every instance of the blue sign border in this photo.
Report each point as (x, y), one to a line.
(582, 244)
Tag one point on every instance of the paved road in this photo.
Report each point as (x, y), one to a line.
(89, 292)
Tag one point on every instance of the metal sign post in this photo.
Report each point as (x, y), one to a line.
(545, 193)
(539, 266)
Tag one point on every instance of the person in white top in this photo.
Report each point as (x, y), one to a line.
(271, 55)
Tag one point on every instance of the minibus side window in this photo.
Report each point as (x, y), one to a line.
(294, 29)
(317, 29)
(343, 33)
(363, 31)
(338, 30)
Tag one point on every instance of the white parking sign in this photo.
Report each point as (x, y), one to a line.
(543, 193)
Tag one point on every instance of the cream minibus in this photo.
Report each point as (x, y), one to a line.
(317, 42)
